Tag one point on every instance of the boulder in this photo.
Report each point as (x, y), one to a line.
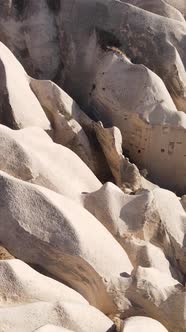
(52, 232)
(19, 108)
(143, 324)
(44, 162)
(159, 296)
(21, 284)
(100, 78)
(179, 5)
(143, 222)
(52, 328)
(149, 123)
(71, 316)
(71, 127)
(164, 8)
(126, 174)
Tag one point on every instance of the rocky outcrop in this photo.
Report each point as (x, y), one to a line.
(156, 294)
(44, 163)
(52, 328)
(19, 108)
(21, 284)
(92, 92)
(51, 231)
(73, 316)
(141, 222)
(71, 126)
(126, 175)
(144, 324)
(151, 126)
(149, 123)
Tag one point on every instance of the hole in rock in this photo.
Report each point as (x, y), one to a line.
(106, 38)
(19, 5)
(125, 275)
(54, 5)
(136, 60)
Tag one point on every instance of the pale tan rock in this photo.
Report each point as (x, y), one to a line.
(55, 100)
(178, 4)
(71, 126)
(125, 173)
(52, 328)
(170, 209)
(21, 284)
(183, 202)
(44, 162)
(66, 118)
(158, 296)
(120, 213)
(139, 222)
(158, 43)
(19, 107)
(142, 324)
(72, 316)
(160, 7)
(53, 232)
(145, 254)
(151, 127)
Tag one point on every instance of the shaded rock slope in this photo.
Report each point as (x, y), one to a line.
(92, 165)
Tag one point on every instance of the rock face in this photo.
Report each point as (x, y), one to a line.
(126, 174)
(92, 138)
(71, 126)
(142, 222)
(144, 324)
(156, 293)
(21, 284)
(52, 328)
(68, 315)
(30, 300)
(148, 117)
(44, 163)
(66, 118)
(47, 224)
(149, 122)
(19, 107)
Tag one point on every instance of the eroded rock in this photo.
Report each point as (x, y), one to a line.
(19, 107)
(21, 284)
(73, 316)
(44, 162)
(144, 324)
(53, 232)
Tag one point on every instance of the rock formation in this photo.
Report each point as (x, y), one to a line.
(92, 165)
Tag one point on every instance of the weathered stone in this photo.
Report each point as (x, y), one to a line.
(125, 173)
(19, 107)
(44, 162)
(53, 232)
(73, 316)
(143, 324)
(158, 296)
(21, 284)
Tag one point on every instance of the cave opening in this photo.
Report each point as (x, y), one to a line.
(107, 39)
(54, 5)
(19, 5)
